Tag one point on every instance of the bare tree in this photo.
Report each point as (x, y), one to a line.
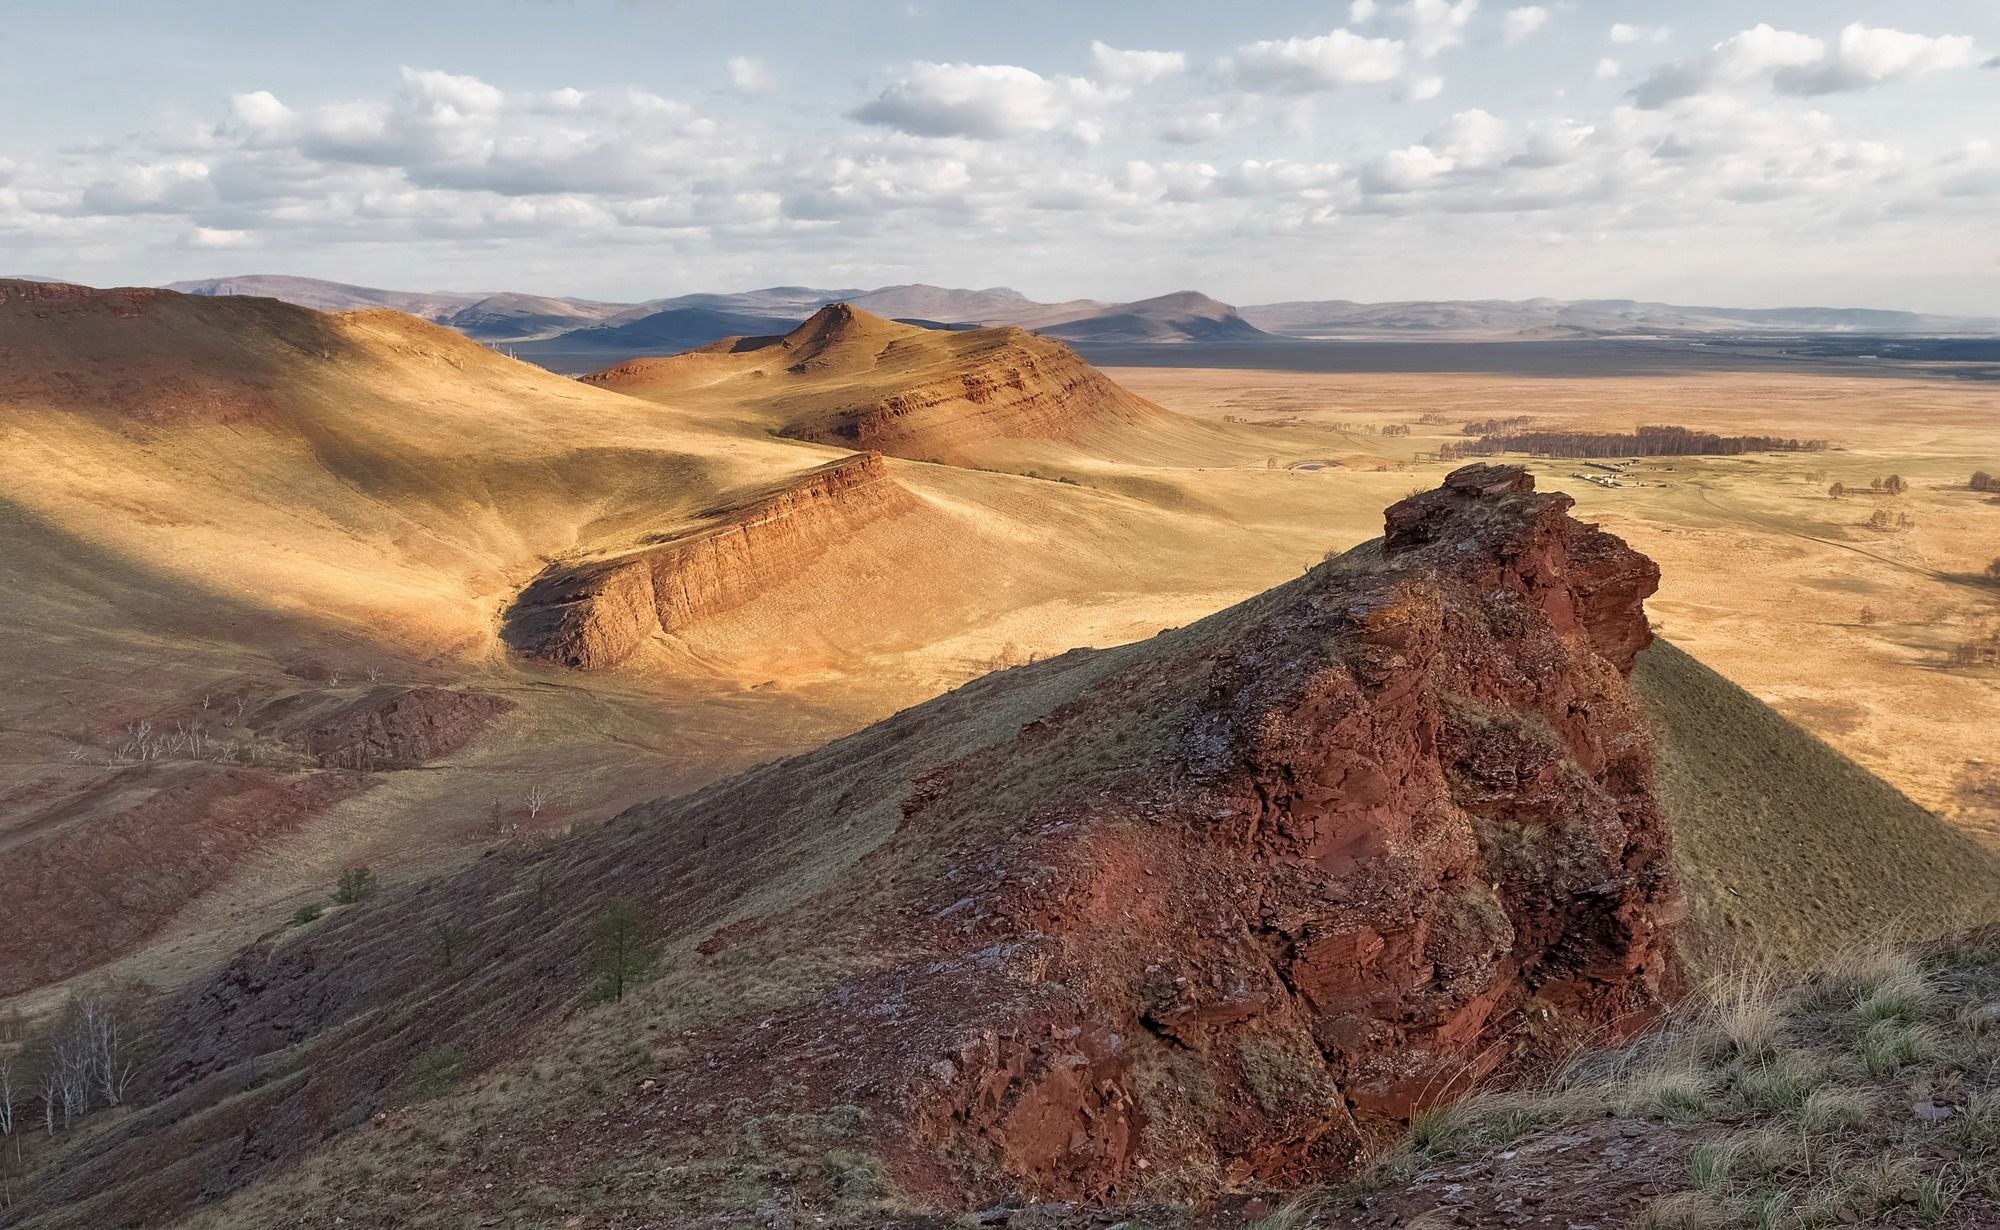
(8, 1096)
(538, 800)
(107, 1047)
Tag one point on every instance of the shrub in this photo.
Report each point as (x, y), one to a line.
(619, 954)
(357, 884)
(435, 1071)
(307, 913)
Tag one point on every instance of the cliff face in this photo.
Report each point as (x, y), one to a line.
(1151, 923)
(592, 616)
(850, 379)
(1007, 385)
(999, 385)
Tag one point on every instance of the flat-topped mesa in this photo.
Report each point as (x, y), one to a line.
(595, 614)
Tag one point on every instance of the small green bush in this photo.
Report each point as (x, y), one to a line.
(307, 913)
(357, 884)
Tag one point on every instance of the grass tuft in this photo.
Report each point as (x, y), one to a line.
(1683, 1211)
(1835, 1110)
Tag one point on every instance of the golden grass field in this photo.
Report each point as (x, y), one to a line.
(1765, 576)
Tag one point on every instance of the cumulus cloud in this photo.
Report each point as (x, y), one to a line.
(1404, 170)
(749, 76)
(1114, 66)
(1607, 68)
(1865, 57)
(436, 161)
(1740, 59)
(1625, 32)
(1801, 64)
(1473, 139)
(1322, 62)
(976, 100)
(1437, 24)
(1520, 24)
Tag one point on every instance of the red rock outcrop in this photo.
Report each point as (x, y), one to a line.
(396, 727)
(1144, 924)
(593, 615)
(1247, 905)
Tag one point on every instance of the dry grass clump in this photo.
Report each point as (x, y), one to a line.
(1869, 1094)
(1684, 1211)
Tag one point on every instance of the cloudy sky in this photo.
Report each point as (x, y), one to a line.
(1753, 152)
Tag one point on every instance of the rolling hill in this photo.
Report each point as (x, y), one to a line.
(1209, 911)
(1187, 316)
(667, 331)
(978, 396)
(1503, 318)
(232, 520)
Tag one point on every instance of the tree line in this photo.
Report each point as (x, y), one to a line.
(1652, 440)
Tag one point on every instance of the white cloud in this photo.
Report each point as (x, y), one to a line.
(976, 100)
(749, 76)
(1323, 62)
(1404, 170)
(259, 117)
(1471, 139)
(1520, 24)
(1801, 64)
(1361, 12)
(1113, 66)
(211, 237)
(1866, 57)
(1421, 89)
(1437, 24)
(1740, 59)
(445, 171)
(1624, 32)
(1606, 69)
(1192, 128)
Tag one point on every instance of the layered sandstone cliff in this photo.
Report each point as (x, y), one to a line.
(1001, 384)
(595, 614)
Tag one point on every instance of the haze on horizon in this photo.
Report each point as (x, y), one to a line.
(1778, 153)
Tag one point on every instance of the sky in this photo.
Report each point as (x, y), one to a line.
(1748, 153)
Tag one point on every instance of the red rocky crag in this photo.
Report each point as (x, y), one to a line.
(1236, 911)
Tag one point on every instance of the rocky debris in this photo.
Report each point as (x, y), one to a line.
(594, 615)
(397, 727)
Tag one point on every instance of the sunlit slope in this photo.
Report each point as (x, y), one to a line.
(999, 397)
(1790, 850)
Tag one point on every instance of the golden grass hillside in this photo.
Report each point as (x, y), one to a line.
(217, 506)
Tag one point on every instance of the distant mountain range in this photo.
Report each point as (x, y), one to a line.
(577, 334)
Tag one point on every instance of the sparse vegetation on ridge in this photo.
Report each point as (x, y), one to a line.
(1756, 1103)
